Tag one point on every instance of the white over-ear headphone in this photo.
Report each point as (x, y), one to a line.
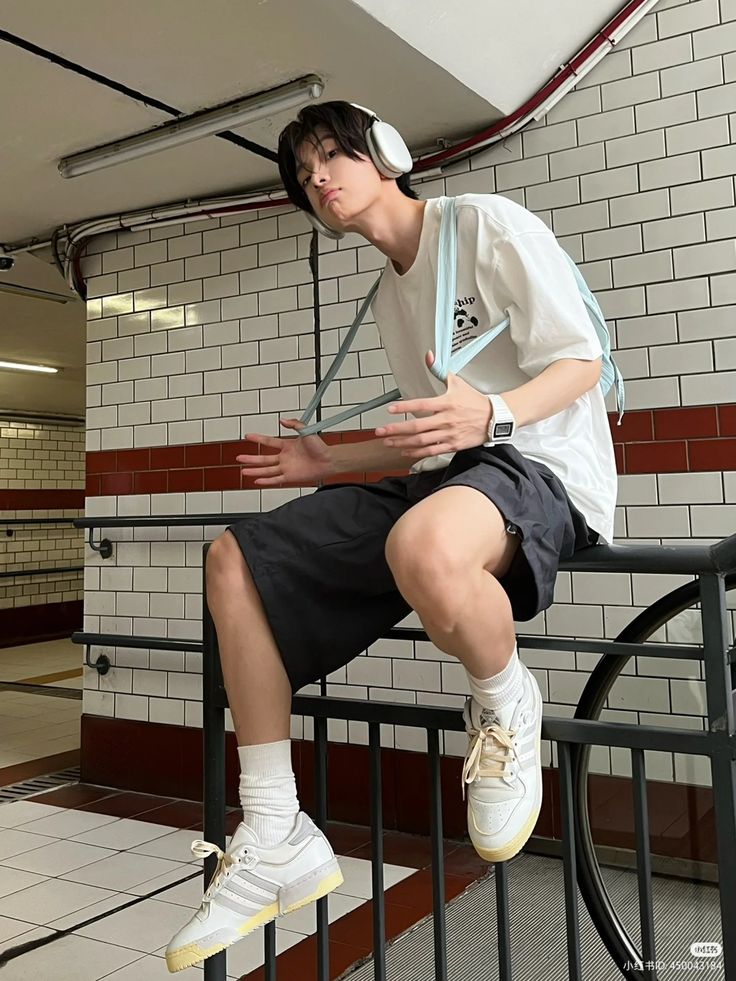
(388, 152)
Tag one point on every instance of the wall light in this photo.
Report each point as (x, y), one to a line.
(193, 127)
(36, 294)
(16, 366)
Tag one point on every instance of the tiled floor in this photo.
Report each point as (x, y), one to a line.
(71, 858)
(36, 726)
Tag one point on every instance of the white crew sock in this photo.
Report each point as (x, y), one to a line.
(268, 790)
(502, 689)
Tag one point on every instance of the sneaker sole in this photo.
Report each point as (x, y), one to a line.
(191, 954)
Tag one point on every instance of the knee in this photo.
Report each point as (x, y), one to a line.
(429, 572)
(224, 561)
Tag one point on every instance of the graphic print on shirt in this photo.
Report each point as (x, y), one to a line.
(465, 326)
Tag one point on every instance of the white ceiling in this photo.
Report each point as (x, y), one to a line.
(433, 69)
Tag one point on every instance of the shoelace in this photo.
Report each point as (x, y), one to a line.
(202, 849)
(490, 751)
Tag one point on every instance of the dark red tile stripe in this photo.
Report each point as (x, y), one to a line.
(42, 500)
(677, 440)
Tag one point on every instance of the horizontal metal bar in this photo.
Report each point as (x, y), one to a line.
(561, 730)
(164, 520)
(4, 522)
(137, 643)
(30, 689)
(629, 736)
(545, 643)
(41, 572)
(539, 643)
(679, 559)
(439, 717)
(675, 559)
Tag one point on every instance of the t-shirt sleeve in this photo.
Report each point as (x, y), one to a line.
(534, 284)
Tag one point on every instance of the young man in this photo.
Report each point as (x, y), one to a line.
(470, 539)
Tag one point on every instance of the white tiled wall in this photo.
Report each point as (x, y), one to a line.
(40, 456)
(203, 332)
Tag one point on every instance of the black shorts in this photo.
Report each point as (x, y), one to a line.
(319, 566)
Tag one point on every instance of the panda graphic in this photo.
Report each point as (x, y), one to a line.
(465, 326)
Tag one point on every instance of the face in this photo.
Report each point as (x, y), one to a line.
(337, 187)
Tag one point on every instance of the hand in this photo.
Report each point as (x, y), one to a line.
(296, 460)
(459, 419)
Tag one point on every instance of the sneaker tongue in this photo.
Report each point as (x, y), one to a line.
(501, 717)
(243, 835)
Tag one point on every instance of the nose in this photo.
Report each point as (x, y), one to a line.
(319, 175)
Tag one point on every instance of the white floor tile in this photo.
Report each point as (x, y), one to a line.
(123, 870)
(23, 938)
(176, 846)
(68, 823)
(69, 958)
(357, 875)
(185, 894)
(23, 811)
(72, 920)
(304, 920)
(125, 833)
(45, 902)
(10, 928)
(151, 968)
(170, 878)
(13, 880)
(146, 927)
(14, 842)
(247, 954)
(56, 859)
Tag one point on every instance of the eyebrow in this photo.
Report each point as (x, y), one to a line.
(300, 164)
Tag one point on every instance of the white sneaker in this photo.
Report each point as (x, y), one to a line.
(503, 772)
(252, 885)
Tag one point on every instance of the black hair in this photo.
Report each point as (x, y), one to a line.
(345, 123)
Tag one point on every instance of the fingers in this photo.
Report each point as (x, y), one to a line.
(261, 471)
(273, 441)
(411, 427)
(434, 450)
(416, 442)
(257, 461)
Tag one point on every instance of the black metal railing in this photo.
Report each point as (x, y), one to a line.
(573, 737)
(49, 571)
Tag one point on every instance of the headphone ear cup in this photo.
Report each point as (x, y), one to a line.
(322, 228)
(389, 153)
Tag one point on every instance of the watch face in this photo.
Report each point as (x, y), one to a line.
(502, 430)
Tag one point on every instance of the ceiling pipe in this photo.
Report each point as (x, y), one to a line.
(427, 165)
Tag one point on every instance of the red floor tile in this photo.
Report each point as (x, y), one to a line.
(76, 795)
(128, 805)
(177, 814)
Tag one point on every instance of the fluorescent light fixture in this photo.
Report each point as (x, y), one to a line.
(35, 293)
(15, 366)
(189, 128)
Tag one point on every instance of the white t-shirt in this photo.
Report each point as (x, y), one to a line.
(507, 260)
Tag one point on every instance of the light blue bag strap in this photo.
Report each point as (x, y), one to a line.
(444, 318)
(610, 374)
(317, 427)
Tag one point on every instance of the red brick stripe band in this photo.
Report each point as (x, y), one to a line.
(680, 440)
(42, 500)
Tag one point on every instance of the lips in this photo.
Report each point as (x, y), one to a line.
(326, 198)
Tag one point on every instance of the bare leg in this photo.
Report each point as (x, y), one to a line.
(256, 682)
(447, 555)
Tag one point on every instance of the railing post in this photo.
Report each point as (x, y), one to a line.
(723, 764)
(213, 746)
